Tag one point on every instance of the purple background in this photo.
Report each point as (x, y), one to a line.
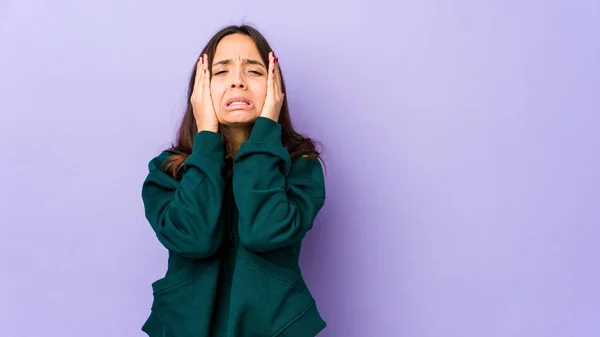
(461, 143)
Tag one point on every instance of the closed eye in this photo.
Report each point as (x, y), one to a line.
(252, 71)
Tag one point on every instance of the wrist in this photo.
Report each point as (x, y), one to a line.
(207, 128)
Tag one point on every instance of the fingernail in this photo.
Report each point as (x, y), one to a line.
(202, 59)
(276, 59)
(273, 71)
(205, 71)
(273, 54)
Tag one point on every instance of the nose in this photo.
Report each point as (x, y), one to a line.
(237, 84)
(238, 79)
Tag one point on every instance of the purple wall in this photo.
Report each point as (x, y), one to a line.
(461, 142)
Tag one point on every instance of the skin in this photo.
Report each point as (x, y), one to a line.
(238, 71)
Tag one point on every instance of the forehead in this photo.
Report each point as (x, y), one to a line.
(236, 45)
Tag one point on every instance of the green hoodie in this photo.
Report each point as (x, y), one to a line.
(234, 243)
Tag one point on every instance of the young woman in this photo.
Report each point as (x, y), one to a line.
(232, 200)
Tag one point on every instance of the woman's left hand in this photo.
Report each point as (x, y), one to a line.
(274, 99)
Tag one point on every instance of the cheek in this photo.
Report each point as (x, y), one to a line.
(215, 93)
(261, 92)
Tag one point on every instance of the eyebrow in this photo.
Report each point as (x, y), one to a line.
(247, 61)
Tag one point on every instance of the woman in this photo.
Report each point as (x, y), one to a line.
(232, 200)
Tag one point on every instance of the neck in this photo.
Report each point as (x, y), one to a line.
(239, 134)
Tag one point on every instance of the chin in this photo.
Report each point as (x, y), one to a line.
(239, 118)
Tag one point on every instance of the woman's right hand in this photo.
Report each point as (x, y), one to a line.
(204, 111)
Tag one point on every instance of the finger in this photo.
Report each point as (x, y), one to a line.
(276, 76)
(275, 79)
(271, 77)
(198, 78)
(206, 79)
(272, 65)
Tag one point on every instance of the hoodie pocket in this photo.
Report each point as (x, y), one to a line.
(184, 302)
(266, 297)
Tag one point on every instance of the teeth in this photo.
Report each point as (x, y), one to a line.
(238, 103)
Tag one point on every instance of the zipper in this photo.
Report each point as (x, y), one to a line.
(229, 211)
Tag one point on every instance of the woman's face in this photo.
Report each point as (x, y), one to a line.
(238, 85)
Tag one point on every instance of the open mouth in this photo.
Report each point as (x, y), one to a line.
(238, 103)
(234, 103)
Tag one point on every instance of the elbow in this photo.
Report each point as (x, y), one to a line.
(190, 237)
(260, 241)
(255, 242)
(202, 253)
(199, 248)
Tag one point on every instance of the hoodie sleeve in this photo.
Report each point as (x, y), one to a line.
(278, 198)
(184, 213)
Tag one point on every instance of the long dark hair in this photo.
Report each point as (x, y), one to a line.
(296, 144)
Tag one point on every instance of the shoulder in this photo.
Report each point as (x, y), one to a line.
(156, 163)
(307, 166)
(157, 176)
